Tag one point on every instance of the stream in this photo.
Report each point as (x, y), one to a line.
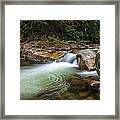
(49, 81)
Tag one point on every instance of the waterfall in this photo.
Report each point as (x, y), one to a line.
(69, 58)
(75, 62)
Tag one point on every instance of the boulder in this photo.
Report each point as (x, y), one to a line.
(97, 61)
(86, 59)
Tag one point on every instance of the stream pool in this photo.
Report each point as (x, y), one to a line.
(49, 81)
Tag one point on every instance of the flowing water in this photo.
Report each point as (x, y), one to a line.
(49, 80)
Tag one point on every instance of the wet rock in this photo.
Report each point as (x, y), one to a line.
(97, 61)
(81, 84)
(90, 98)
(67, 95)
(76, 81)
(81, 89)
(86, 59)
(55, 54)
(29, 53)
(84, 94)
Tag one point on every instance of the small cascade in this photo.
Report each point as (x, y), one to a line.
(75, 62)
(69, 58)
(56, 65)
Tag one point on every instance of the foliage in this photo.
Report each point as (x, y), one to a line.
(62, 30)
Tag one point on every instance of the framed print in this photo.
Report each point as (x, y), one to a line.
(60, 59)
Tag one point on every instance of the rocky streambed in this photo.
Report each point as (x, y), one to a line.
(44, 52)
(48, 74)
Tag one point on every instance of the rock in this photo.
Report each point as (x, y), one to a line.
(55, 54)
(97, 61)
(81, 88)
(93, 84)
(36, 55)
(81, 84)
(77, 84)
(86, 59)
(84, 94)
(68, 95)
(75, 80)
(23, 62)
(90, 98)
